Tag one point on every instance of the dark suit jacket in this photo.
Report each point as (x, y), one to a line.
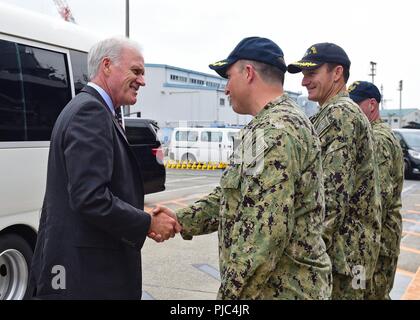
(92, 222)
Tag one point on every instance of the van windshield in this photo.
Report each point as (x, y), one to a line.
(412, 139)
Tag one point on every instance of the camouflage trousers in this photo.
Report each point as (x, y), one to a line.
(343, 288)
(383, 279)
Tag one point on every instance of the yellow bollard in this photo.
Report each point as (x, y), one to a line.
(184, 165)
(194, 166)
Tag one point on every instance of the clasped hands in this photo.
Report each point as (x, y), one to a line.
(164, 224)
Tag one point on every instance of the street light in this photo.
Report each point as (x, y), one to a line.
(400, 88)
(373, 70)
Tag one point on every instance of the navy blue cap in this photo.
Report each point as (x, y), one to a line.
(317, 55)
(362, 90)
(252, 48)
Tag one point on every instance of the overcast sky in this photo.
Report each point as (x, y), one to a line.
(191, 33)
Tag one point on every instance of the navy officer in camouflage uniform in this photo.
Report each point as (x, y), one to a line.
(269, 207)
(352, 201)
(390, 161)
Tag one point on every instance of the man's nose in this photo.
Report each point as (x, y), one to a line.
(141, 81)
(305, 81)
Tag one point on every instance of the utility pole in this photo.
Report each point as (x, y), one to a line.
(372, 71)
(400, 89)
(126, 109)
(382, 97)
(127, 18)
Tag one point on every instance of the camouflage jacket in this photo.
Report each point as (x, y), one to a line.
(269, 211)
(352, 200)
(391, 176)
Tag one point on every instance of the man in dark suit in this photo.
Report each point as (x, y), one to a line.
(92, 223)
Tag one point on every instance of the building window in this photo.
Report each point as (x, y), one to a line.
(175, 77)
(395, 120)
(197, 81)
(212, 84)
(222, 101)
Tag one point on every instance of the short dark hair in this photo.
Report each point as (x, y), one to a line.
(346, 70)
(268, 73)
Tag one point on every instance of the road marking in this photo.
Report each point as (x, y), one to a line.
(411, 233)
(413, 290)
(408, 249)
(186, 179)
(146, 296)
(214, 273)
(188, 188)
(412, 211)
(406, 273)
(408, 188)
(411, 221)
(181, 204)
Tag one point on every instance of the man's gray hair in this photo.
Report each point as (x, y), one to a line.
(110, 48)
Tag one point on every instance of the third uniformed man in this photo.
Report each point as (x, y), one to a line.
(391, 175)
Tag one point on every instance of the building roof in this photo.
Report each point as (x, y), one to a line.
(396, 112)
(165, 66)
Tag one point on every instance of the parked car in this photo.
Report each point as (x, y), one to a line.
(142, 136)
(410, 144)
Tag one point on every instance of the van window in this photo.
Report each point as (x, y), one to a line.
(234, 135)
(80, 71)
(191, 136)
(34, 88)
(46, 88)
(11, 101)
(209, 136)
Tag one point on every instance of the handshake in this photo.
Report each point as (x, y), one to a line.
(164, 224)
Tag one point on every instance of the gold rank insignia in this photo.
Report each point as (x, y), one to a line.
(219, 63)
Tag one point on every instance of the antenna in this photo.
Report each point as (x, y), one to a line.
(372, 71)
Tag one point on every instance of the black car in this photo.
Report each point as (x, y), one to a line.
(410, 144)
(143, 139)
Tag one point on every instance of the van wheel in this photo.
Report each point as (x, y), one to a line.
(15, 259)
(188, 157)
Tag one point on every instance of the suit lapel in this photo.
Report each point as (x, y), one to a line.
(96, 94)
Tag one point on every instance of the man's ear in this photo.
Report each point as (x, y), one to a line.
(250, 72)
(106, 64)
(372, 102)
(338, 73)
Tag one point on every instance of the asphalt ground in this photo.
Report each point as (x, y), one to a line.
(188, 270)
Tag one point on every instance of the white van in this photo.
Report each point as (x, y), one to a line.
(202, 144)
(42, 66)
